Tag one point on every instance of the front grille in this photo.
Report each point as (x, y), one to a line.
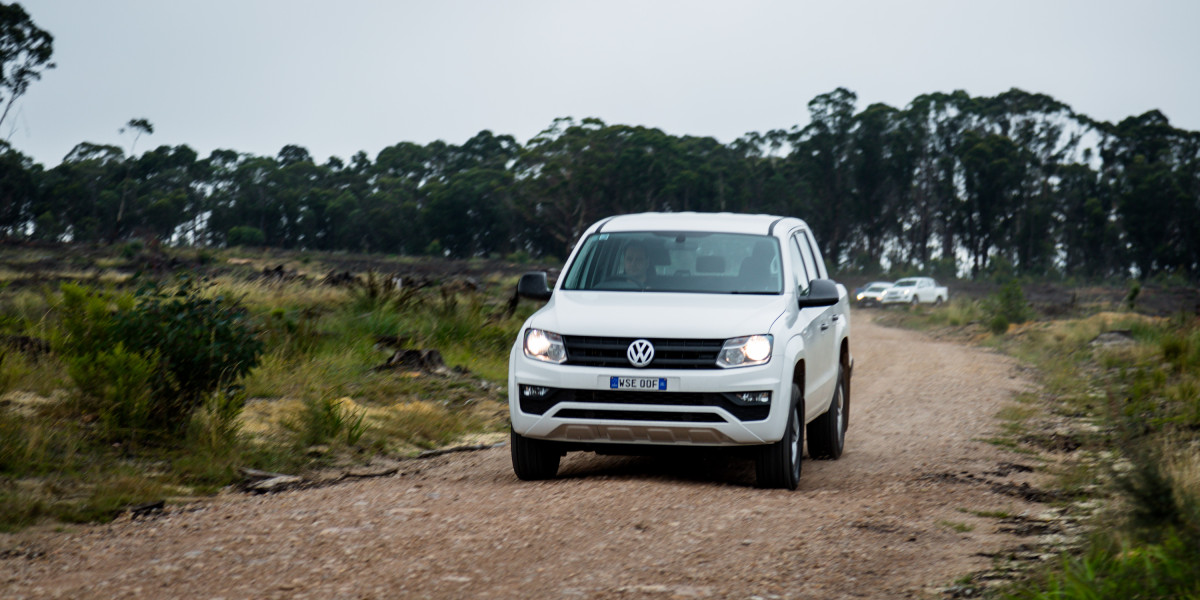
(590, 351)
(539, 406)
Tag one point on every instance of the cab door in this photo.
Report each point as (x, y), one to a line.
(818, 329)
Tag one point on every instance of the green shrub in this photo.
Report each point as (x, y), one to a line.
(377, 292)
(245, 236)
(116, 384)
(173, 340)
(1135, 289)
(998, 324)
(1007, 305)
(326, 420)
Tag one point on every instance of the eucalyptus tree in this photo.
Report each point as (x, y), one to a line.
(821, 152)
(19, 189)
(169, 194)
(993, 169)
(1048, 134)
(881, 168)
(562, 175)
(1150, 168)
(80, 200)
(25, 52)
(935, 125)
(291, 190)
(1090, 242)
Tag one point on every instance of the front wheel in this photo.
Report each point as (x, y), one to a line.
(778, 465)
(827, 433)
(533, 459)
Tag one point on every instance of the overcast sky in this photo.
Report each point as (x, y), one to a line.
(340, 77)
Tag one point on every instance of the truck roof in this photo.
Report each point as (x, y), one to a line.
(694, 221)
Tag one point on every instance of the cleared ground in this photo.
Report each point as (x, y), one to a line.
(898, 516)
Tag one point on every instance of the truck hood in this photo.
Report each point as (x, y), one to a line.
(659, 315)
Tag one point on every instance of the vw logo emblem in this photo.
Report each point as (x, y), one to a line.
(640, 353)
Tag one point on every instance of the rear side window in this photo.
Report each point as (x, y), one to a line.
(802, 274)
(810, 266)
(815, 256)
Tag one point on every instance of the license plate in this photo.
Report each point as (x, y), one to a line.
(644, 384)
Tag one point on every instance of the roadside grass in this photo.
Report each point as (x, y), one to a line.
(1127, 386)
(956, 526)
(321, 396)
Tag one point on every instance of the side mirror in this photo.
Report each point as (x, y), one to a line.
(533, 286)
(821, 292)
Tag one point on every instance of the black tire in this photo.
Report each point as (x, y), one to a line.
(827, 433)
(938, 301)
(915, 301)
(778, 465)
(533, 459)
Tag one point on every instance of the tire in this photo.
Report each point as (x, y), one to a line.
(778, 465)
(533, 459)
(915, 301)
(938, 301)
(827, 433)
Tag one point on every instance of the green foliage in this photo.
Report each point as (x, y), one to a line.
(1135, 289)
(944, 269)
(377, 292)
(116, 384)
(1111, 570)
(325, 420)
(144, 363)
(131, 249)
(201, 344)
(1007, 305)
(245, 236)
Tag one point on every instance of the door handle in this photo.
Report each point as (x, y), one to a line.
(836, 317)
(824, 326)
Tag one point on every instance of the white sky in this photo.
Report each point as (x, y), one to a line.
(339, 77)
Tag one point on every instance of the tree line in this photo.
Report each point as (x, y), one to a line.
(949, 184)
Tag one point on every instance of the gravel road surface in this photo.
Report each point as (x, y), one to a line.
(895, 517)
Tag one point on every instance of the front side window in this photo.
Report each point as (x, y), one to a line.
(677, 261)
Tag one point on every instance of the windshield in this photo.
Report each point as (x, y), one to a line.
(906, 283)
(677, 261)
(879, 287)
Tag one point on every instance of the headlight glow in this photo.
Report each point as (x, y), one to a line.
(758, 348)
(745, 351)
(545, 346)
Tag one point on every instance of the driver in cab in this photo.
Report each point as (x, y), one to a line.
(637, 264)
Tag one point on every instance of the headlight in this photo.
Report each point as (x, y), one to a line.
(545, 346)
(745, 351)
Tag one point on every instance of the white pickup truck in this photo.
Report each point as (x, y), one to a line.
(916, 290)
(684, 329)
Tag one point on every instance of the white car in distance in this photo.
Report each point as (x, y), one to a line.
(684, 329)
(916, 290)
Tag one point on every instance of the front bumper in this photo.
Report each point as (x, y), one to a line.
(698, 408)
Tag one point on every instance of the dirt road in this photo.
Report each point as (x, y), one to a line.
(896, 517)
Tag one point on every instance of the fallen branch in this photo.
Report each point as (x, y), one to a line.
(441, 451)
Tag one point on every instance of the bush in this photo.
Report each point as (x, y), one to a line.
(146, 362)
(327, 420)
(1008, 305)
(116, 384)
(245, 236)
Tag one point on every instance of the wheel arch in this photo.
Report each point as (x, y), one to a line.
(847, 368)
(798, 375)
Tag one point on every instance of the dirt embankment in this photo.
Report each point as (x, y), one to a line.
(898, 516)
